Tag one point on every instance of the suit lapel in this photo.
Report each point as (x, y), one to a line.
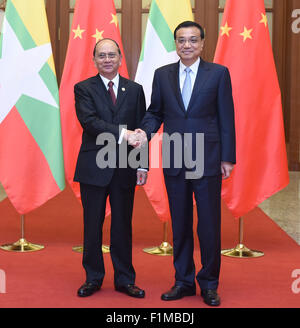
(202, 75)
(101, 91)
(174, 82)
(201, 78)
(122, 92)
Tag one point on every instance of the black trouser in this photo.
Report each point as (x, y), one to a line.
(94, 203)
(207, 192)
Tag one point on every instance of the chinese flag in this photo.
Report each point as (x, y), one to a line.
(244, 47)
(93, 20)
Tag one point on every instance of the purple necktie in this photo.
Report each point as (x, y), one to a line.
(111, 91)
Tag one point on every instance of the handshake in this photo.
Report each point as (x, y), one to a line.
(136, 138)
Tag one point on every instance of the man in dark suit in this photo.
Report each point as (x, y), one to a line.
(194, 97)
(104, 103)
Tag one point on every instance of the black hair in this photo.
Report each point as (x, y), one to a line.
(190, 24)
(119, 50)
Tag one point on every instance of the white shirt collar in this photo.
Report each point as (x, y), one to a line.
(193, 67)
(115, 80)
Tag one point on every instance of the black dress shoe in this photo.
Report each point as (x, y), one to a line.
(131, 290)
(178, 292)
(210, 297)
(87, 289)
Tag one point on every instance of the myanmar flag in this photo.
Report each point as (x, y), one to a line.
(31, 157)
(159, 49)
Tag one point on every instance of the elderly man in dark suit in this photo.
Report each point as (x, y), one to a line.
(104, 103)
(193, 97)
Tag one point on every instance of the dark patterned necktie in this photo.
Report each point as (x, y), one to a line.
(111, 91)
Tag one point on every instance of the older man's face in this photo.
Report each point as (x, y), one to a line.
(107, 59)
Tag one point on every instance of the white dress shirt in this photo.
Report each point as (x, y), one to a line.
(193, 73)
(115, 80)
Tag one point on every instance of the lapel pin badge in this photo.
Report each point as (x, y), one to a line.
(123, 89)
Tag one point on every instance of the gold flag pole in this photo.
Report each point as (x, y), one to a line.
(164, 248)
(240, 249)
(79, 249)
(22, 245)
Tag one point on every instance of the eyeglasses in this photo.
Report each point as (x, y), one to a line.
(192, 41)
(110, 55)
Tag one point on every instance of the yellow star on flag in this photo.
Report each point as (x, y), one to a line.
(78, 32)
(264, 19)
(98, 35)
(114, 19)
(225, 29)
(246, 33)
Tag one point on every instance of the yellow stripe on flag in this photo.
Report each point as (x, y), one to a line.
(35, 20)
(179, 11)
(51, 64)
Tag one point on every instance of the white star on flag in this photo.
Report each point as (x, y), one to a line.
(20, 72)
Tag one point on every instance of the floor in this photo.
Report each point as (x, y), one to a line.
(283, 207)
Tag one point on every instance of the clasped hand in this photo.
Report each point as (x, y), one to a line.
(136, 138)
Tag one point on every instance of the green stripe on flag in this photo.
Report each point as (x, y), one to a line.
(141, 55)
(43, 122)
(50, 80)
(161, 27)
(18, 26)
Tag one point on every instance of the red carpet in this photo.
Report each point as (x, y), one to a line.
(51, 277)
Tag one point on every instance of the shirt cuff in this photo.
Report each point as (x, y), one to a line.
(121, 136)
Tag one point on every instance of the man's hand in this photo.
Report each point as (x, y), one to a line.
(141, 177)
(141, 137)
(129, 136)
(226, 168)
(136, 138)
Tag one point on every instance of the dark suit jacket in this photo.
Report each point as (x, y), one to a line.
(97, 114)
(210, 111)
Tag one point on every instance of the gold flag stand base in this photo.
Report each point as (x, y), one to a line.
(79, 249)
(240, 250)
(164, 249)
(22, 245)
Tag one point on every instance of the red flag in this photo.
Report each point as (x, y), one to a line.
(244, 46)
(93, 20)
(155, 186)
